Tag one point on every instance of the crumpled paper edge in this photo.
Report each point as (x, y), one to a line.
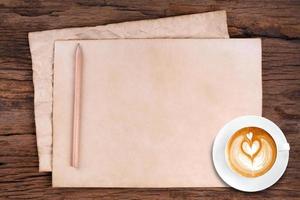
(203, 25)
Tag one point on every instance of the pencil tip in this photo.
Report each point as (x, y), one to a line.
(78, 49)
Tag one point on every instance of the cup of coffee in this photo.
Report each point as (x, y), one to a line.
(250, 153)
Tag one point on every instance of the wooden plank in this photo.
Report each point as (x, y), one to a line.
(276, 21)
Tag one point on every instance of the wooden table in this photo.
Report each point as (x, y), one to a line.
(276, 22)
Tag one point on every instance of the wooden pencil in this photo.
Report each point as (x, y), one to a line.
(76, 108)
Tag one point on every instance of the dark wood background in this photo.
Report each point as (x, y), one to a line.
(276, 22)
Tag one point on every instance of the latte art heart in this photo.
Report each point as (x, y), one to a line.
(251, 149)
(249, 135)
(251, 152)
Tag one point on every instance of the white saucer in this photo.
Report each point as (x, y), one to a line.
(240, 182)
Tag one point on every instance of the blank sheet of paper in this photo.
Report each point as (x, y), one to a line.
(151, 109)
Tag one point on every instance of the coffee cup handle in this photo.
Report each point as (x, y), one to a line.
(284, 147)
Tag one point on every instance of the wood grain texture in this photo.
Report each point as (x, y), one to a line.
(276, 21)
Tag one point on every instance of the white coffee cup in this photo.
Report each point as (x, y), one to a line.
(250, 184)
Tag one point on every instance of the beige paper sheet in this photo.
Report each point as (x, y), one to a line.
(151, 109)
(204, 25)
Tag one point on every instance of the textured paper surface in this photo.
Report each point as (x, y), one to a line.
(151, 109)
(205, 25)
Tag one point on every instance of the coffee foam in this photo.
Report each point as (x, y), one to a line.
(251, 152)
